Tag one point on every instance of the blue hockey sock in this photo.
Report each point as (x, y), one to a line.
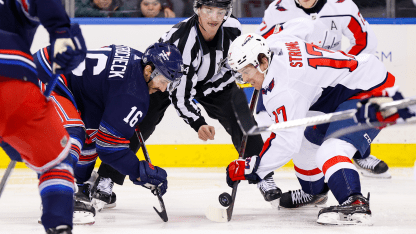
(344, 183)
(313, 187)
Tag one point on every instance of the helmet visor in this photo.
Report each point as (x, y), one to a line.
(171, 86)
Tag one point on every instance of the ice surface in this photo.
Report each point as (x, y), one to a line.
(191, 190)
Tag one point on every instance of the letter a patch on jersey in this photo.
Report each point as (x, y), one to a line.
(333, 26)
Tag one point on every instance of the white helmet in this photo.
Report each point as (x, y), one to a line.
(245, 50)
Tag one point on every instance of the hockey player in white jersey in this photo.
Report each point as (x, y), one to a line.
(296, 78)
(333, 19)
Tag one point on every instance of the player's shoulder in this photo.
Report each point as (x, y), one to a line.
(341, 6)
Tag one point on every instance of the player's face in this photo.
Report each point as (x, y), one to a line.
(159, 83)
(150, 8)
(307, 3)
(103, 4)
(251, 75)
(211, 18)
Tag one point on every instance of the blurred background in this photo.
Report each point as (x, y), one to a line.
(242, 8)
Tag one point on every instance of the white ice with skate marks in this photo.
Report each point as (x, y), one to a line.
(191, 190)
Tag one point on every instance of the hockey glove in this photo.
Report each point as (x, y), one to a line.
(243, 169)
(368, 110)
(68, 49)
(152, 177)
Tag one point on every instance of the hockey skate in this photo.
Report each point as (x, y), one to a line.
(354, 211)
(298, 198)
(269, 190)
(372, 167)
(83, 193)
(103, 196)
(83, 214)
(62, 229)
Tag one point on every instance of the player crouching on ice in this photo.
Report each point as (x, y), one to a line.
(101, 103)
(296, 78)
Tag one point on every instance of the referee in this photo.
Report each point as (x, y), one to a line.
(204, 40)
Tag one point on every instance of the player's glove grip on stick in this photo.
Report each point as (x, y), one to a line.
(368, 110)
(68, 48)
(152, 177)
(243, 169)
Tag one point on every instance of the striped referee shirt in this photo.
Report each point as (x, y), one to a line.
(206, 69)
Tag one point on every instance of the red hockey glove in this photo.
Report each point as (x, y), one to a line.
(243, 169)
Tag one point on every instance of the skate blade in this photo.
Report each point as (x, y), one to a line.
(216, 214)
(83, 218)
(340, 219)
(307, 207)
(109, 206)
(275, 203)
(80, 218)
(384, 175)
(98, 204)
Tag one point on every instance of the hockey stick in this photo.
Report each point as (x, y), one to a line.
(163, 215)
(225, 215)
(251, 129)
(400, 104)
(12, 163)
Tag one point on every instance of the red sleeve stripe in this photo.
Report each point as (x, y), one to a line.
(45, 52)
(270, 32)
(331, 162)
(360, 37)
(377, 91)
(110, 139)
(17, 52)
(315, 171)
(267, 144)
(25, 5)
(88, 158)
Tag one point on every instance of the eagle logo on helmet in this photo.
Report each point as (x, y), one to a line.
(248, 38)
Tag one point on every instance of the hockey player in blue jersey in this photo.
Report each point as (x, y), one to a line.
(30, 129)
(105, 98)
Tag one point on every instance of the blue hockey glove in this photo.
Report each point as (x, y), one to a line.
(68, 49)
(243, 169)
(368, 110)
(152, 177)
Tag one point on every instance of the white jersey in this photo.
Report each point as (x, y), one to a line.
(334, 18)
(303, 77)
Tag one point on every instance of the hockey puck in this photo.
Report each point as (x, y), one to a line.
(225, 199)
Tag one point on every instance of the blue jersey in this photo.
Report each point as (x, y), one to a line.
(19, 20)
(109, 90)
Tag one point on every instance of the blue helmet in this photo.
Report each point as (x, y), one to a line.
(167, 61)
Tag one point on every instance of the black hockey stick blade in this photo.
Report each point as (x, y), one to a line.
(231, 207)
(163, 215)
(244, 117)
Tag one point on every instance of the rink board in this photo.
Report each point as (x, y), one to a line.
(395, 155)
